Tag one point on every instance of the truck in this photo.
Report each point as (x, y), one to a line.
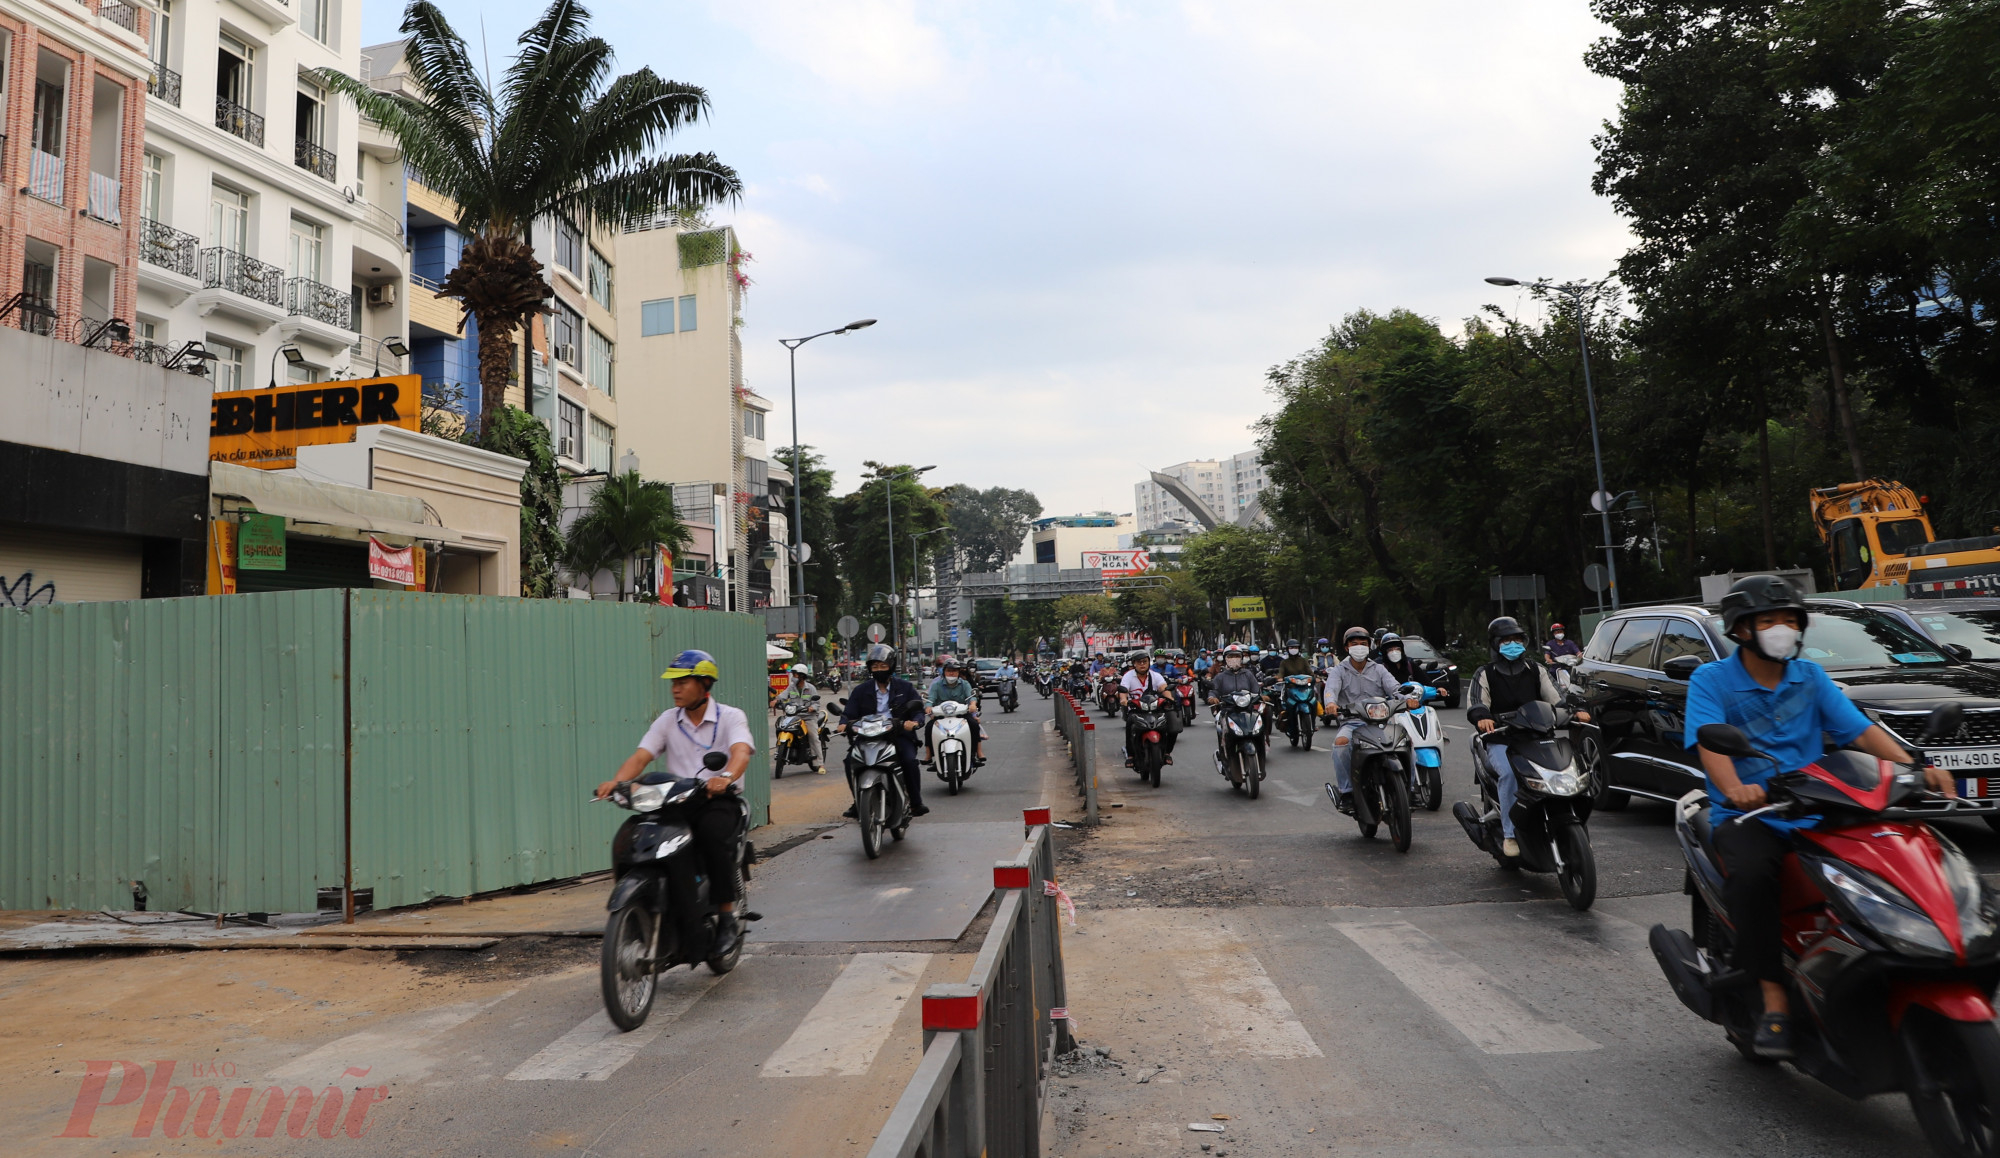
(1877, 534)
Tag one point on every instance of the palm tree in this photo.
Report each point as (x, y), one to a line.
(627, 515)
(553, 139)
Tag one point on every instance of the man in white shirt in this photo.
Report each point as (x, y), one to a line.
(695, 726)
(1139, 679)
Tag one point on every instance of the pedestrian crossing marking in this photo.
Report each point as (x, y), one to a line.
(1241, 1008)
(595, 1049)
(399, 1051)
(853, 1018)
(1461, 992)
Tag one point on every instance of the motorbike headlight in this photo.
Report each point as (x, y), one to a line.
(1376, 710)
(1975, 922)
(1561, 783)
(647, 797)
(1883, 910)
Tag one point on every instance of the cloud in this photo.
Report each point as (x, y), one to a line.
(868, 49)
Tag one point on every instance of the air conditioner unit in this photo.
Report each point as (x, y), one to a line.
(382, 295)
(566, 352)
(567, 448)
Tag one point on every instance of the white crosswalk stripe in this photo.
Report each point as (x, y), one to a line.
(1461, 992)
(402, 1051)
(1241, 1008)
(852, 1020)
(595, 1049)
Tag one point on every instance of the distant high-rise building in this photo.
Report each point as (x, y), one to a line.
(1226, 485)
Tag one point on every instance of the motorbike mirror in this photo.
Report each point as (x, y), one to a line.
(1726, 740)
(1944, 720)
(1681, 667)
(714, 761)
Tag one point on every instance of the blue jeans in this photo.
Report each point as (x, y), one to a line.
(1502, 762)
(1343, 758)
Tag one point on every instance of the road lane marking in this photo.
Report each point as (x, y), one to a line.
(1241, 1008)
(846, 1029)
(397, 1052)
(1461, 992)
(595, 1049)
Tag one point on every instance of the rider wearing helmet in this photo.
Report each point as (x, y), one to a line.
(884, 693)
(1294, 663)
(695, 726)
(1391, 655)
(1502, 685)
(1559, 644)
(1357, 680)
(1140, 679)
(801, 686)
(1789, 707)
(1268, 660)
(951, 684)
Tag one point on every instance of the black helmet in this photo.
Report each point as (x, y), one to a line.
(1388, 637)
(1754, 594)
(1503, 627)
(1352, 634)
(1291, 644)
(880, 653)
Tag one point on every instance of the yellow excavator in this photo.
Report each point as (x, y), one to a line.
(1877, 534)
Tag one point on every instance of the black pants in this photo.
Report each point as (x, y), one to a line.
(717, 823)
(1752, 854)
(913, 775)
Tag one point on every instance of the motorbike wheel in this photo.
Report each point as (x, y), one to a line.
(1308, 729)
(723, 962)
(952, 779)
(1396, 811)
(1433, 788)
(1957, 1099)
(778, 766)
(628, 987)
(1154, 761)
(1367, 809)
(1579, 870)
(1253, 774)
(1603, 795)
(870, 813)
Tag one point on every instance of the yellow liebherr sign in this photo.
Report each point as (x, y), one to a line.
(1247, 607)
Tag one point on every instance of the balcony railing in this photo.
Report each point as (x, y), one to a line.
(104, 196)
(165, 84)
(45, 175)
(122, 15)
(307, 298)
(238, 121)
(36, 316)
(163, 245)
(313, 159)
(242, 274)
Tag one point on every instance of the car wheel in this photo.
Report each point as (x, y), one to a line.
(1603, 795)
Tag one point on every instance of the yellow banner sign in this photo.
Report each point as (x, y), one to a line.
(1247, 607)
(265, 428)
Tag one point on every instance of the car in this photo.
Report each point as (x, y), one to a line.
(1969, 628)
(1634, 681)
(1435, 668)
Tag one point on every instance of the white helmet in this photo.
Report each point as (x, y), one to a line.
(800, 669)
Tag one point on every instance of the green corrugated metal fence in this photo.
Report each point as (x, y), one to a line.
(197, 744)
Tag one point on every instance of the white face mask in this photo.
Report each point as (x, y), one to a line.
(1780, 642)
(1292, 651)
(1358, 652)
(1234, 662)
(1559, 635)
(1395, 655)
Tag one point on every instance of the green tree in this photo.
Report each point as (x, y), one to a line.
(988, 527)
(627, 516)
(861, 522)
(558, 137)
(518, 434)
(821, 533)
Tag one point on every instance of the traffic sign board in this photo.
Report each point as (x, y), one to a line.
(1596, 577)
(848, 627)
(877, 633)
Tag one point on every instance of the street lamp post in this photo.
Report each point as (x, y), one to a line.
(1574, 291)
(792, 345)
(895, 600)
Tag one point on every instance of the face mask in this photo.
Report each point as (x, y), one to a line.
(1559, 635)
(1358, 652)
(951, 677)
(881, 677)
(1395, 655)
(1235, 662)
(1292, 651)
(1781, 642)
(1513, 649)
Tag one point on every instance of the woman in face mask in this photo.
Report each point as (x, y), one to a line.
(1399, 664)
(1502, 686)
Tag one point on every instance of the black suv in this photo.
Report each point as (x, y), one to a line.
(1434, 669)
(1635, 676)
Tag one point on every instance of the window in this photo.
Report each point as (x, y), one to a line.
(1635, 642)
(656, 317)
(1899, 536)
(602, 437)
(229, 219)
(303, 373)
(753, 423)
(569, 247)
(233, 62)
(315, 19)
(160, 37)
(46, 134)
(309, 124)
(565, 330)
(687, 313)
(600, 279)
(152, 178)
(228, 364)
(38, 285)
(308, 242)
(569, 428)
(1682, 638)
(598, 364)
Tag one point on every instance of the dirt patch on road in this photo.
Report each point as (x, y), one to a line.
(513, 959)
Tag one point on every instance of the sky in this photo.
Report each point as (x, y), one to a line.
(1089, 227)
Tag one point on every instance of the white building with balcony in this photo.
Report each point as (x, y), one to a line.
(268, 212)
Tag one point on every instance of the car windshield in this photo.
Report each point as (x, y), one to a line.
(987, 664)
(1843, 638)
(1418, 648)
(1976, 631)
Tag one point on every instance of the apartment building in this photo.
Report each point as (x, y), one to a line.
(72, 105)
(268, 220)
(1226, 485)
(1062, 539)
(581, 340)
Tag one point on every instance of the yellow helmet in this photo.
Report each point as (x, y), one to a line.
(692, 662)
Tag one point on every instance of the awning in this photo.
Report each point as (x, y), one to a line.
(275, 493)
(773, 651)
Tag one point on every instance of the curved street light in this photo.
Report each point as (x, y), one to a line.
(791, 346)
(889, 490)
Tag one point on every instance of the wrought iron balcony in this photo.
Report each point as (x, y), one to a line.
(163, 245)
(165, 84)
(236, 120)
(123, 15)
(313, 159)
(307, 298)
(242, 274)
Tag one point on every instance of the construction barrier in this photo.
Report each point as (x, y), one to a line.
(1073, 722)
(988, 1043)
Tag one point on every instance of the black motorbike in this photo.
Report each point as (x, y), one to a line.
(1239, 741)
(1007, 690)
(1379, 766)
(875, 777)
(1045, 681)
(1078, 684)
(660, 912)
(1551, 810)
(1145, 725)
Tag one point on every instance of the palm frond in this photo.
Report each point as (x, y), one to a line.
(619, 199)
(636, 113)
(440, 144)
(441, 65)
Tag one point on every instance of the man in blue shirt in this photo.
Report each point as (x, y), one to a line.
(1785, 705)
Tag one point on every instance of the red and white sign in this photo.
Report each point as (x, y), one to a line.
(391, 564)
(1117, 564)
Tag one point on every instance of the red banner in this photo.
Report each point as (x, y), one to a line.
(391, 564)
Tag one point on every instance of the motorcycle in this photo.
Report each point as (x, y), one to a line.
(1427, 741)
(1239, 741)
(1552, 807)
(1107, 692)
(660, 912)
(1379, 763)
(1045, 681)
(793, 745)
(1889, 934)
(1563, 671)
(1295, 709)
(1184, 695)
(1006, 689)
(951, 743)
(875, 777)
(1145, 722)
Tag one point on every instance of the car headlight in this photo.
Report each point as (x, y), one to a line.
(1975, 922)
(647, 797)
(1880, 908)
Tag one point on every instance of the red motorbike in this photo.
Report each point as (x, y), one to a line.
(1888, 934)
(1107, 691)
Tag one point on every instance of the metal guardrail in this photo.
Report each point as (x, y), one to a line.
(165, 83)
(1081, 734)
(169, 248)
(233, 118)
(988, 1043)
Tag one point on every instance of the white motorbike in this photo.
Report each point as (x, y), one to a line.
(1565, 673)
(1427, 740)
(951, 743)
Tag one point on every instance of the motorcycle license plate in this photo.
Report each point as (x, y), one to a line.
(1966, 759)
